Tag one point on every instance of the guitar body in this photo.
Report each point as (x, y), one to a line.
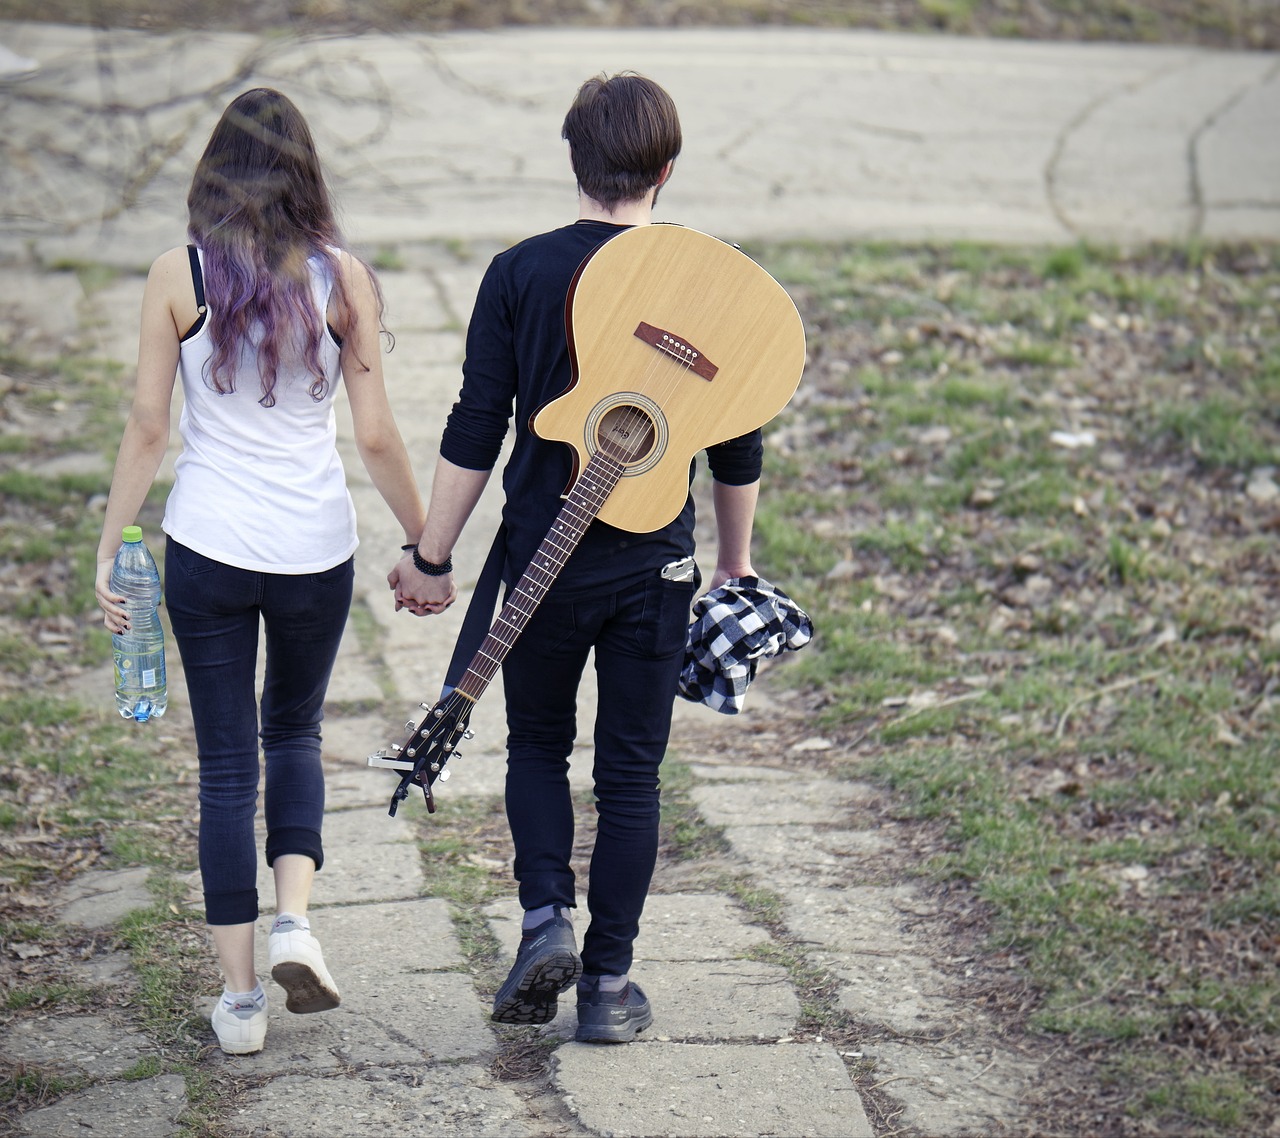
(678, 341)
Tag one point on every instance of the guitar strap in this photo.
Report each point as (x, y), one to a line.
(479, 618)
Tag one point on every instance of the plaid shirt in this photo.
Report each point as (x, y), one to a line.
(734, 627)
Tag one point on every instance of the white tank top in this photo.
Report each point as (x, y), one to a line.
(262, 488)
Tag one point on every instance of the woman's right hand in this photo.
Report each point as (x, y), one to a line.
(115, 617)
(420, 594)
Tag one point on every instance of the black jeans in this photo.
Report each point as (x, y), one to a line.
(215, 610)
(638, 636)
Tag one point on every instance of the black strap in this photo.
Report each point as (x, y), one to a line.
(479, 618)
(197, 279)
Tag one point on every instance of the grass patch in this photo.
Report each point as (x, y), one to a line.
(683, 832)
(464, 856)
(1039, 612)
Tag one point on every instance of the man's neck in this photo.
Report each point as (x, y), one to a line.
(638, 212)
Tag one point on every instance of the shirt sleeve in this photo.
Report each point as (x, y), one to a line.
(737, 462)
(478, 421)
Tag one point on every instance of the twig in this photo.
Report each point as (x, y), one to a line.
(941, 703)
(1118, 686)
(890, 1079)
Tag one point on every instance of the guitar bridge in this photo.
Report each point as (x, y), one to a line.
(677, 348)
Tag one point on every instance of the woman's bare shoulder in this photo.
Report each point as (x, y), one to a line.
(172, 264)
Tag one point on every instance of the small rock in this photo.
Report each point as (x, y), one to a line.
(1262, 488)
(1073, 440)
(815, 743)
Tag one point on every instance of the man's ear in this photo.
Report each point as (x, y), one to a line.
(666, 173)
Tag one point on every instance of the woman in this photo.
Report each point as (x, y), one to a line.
(260, 524)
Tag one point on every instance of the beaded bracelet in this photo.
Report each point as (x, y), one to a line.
(429, 568)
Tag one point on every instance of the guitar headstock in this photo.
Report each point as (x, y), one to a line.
(426, 748)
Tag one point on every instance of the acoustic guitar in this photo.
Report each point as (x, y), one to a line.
(678, 341)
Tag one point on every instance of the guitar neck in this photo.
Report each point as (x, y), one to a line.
(581, 507)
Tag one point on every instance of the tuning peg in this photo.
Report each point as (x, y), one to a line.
(468, 734)
(443, 776)
(425, 706)
(409, 725)
(455, 755)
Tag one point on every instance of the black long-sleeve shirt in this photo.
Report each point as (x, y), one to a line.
(518, 358)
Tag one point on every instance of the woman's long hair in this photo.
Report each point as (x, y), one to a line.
(259, 208)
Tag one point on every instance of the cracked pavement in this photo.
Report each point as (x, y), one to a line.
(789, 133)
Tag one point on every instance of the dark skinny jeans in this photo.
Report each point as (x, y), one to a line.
(215, 610)
(638, 636)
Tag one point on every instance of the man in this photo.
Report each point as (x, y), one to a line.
(611, 597)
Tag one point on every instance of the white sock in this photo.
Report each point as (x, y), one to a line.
(297, 921)
(258, 996)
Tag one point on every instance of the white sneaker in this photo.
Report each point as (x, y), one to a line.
(297, 965)
(240, 1025)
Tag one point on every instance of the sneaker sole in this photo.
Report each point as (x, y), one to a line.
(305, 992)
(614, 1033)
(241, 1048)
(533, 997)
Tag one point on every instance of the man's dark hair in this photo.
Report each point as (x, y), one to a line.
(622, 131)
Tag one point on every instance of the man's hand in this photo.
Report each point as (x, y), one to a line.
(420, 594)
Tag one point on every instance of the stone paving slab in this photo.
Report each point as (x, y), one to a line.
(353, 679)
(858, 918)
(805, 857)
(905, 992)
(98, 898)
(689, 926)
(949, 1088)
(76, 1045)
(149, 1108)
(774, 802)
(445, 1102)
(655, 1090)
(368, 857)
(404, 1000)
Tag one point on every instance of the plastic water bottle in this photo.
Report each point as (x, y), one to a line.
(142, 691)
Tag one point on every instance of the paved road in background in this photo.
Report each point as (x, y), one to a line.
(789, 133)
(441, 150)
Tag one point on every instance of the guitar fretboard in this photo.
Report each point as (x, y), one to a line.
(584, 502)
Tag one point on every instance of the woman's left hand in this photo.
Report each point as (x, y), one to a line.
(115, 616)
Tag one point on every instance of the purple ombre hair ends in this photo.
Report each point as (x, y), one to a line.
(258, 209)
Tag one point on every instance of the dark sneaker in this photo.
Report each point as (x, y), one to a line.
(612, 1017)
(547, 963)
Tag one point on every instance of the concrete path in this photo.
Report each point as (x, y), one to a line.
(442, 150)
(788, 133)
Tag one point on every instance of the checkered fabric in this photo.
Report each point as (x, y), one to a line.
(734, 627)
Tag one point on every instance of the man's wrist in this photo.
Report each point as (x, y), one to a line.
(429, 568)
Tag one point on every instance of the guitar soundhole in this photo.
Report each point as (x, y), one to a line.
(626, 434)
